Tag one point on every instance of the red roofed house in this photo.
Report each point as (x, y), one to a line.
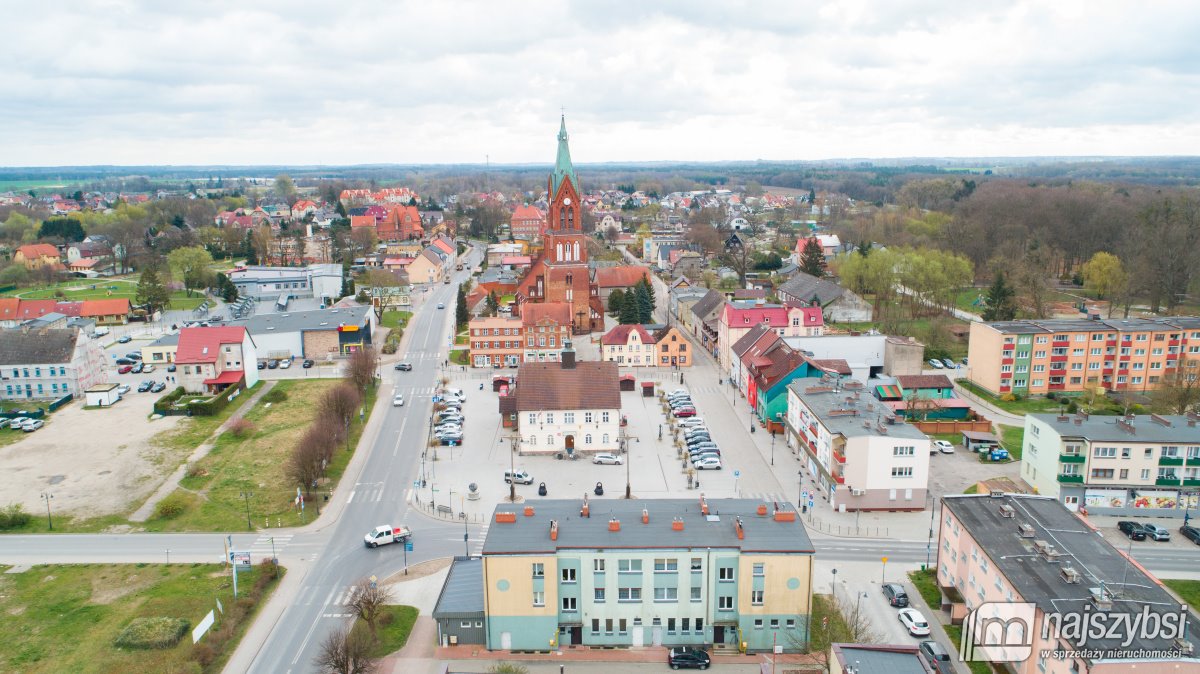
(113, 311)
(635, 345)
(548, 327)
(38, 255)
(789, 320)
(608, 279)
(303, 207)
(354, 197)
(211, 360)
(357, 221)
(402, 223)
(527, 222)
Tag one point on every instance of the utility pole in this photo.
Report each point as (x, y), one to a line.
(46, 497)
(247, 496)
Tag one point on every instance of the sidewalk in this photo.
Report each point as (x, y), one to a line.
(172, 482)
(981, 406)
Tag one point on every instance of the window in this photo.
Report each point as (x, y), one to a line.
(629, 594)
(549, 417)
(790, 623)
(587, 417)
(597, 565)
(902, 471)
(903, 451)
(539, 598)
(550, 440)
(539, 570)
(1102, 473)
(1104, 452)
(568, 417)
(533, 417)
(569, 604)
(760, 570)
(629, 566)
(1145, 473)
(725, 573)
(696, 561)
(1170, 452)
(725, 603)
(587, 439)
(696, 593)
(1124, 475)
(598, 596)
(604, 417)
(666, 594)
(774, 623)
(666, 565)
(622, 626)
(608, 626)
(595, 625)
(756, 597)
(758, 623)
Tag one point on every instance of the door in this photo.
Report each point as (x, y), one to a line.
(639, 636)
(658, 635)
(718, 634)
(577, 635)
(570, 443)
(506, 641)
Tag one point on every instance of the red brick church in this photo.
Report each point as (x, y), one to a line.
(560, 273)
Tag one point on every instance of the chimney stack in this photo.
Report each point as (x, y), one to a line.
(703, 506)
(554, 530)
(568, 356)
(585, 511)
(737, 525)
(645, 516)
(614, 524)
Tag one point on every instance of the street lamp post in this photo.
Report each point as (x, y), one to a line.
(466, 532)
(46, 497)
(247, 496)
(512, 471)
(628, 481)
(932, 510)
(772, 447)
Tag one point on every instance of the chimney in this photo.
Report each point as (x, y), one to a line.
(677, 524)
(703, 506)
(762, 509)
(614, 524)
(737, 525)
(554, 530)
(529, 511)
(645, 516)
(503, 517)
(585, 511)
(568, 356)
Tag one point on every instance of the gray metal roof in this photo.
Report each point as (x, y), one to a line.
(293, 321)
(166, 340)
(708, 303)
(832, 408)
(1046, 326)
(1078, 546)
(803, 287)
(37, 347)
(880, 659)
(1098, 428)
(531, 534)
(462, 593)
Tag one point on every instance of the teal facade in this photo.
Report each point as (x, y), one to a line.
(773, 401)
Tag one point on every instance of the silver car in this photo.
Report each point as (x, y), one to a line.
(607, 459)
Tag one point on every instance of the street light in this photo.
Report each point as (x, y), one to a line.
(512, 469)
(628, 481)
(46, 497)
(772, 446)
(933, 508)
(466, 532)
(247, 495)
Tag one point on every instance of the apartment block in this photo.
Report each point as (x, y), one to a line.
(1075, 355)
(1030, 566)
(858, 451)
(663, 572)
(1143, 465)
(496, 342)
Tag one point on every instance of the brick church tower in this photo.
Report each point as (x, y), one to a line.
(561, 273)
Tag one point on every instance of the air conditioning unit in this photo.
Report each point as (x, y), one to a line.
(858, 492)
(1025, 530)
(1007, 511)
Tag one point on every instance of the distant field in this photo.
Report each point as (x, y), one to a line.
(24, 185)
(82, 290)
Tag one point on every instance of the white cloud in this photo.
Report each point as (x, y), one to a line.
(192, 82)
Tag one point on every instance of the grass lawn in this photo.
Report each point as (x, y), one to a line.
(461, 338)
(395, 319)
(255, 464)
(926, 583)
(1188, 590)
(1025, 406)
(1013, 439)
(505, 299)
(83, 290)
(70, 615)
(460, 357)
(394, 625)
(965, 299)
(195, 430)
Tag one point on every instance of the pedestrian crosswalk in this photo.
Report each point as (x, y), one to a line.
(371, 492)
(343, 597)
(267, 545)
(767, 497)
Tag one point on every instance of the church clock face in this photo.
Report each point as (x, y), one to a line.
(567, 201)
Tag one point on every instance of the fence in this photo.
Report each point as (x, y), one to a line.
(835, 529)
(981, 424)
(446, 512)
(28, 414)
(53, 407)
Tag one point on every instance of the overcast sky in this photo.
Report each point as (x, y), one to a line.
(439, 81)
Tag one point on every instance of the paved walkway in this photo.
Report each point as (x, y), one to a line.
(983, 407)
(147, 509)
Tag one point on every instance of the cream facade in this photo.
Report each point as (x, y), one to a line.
(588, 431)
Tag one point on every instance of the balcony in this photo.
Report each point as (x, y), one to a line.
(1173, 342)
(1167, 482)
(837, 456)
(1072, 458)
(1070, 479)
(1110, 342)
(1191, 481)
(1057, 387)
(840, 479)
(1193, 461)
(1059, 359)
(1006, 361)
(1170, 461)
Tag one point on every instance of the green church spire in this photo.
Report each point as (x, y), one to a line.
(563, 168)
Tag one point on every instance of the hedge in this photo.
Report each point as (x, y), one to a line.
(164, 404)
(157, 632)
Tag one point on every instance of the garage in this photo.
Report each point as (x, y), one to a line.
(101, 395)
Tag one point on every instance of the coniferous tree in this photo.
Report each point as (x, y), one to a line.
(812, 258)
(629, 309)
(1001, 301)
(644, 303)
(461, 315)
(616, 300)
(151, 292)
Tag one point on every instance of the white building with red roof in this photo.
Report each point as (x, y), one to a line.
(211, 360)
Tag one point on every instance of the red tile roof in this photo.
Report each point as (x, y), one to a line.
(738, 317)
(8, 308)
(226, 377)
(620, 335)
(35, 308)
(555, 312)
(36, 250)
(362, 221)
(833, 365)
(118, 306)
(203, 345)
(919, 381)
(620, 277)
(589, 385)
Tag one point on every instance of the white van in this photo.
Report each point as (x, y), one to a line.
(100, 331)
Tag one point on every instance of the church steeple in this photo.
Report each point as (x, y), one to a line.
(563, 168)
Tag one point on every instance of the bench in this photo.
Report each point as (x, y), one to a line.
(445, 509)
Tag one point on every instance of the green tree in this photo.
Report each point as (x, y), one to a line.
(1001, 301)
(643, 302)
(629, 309)
(461, 315)
(812, 258)
(66, 229)
(226, 288)
(14, 275)
(1105, 274)
(616, 300)
(193, 265)
(493, 302)
(285, 188)
(151, 293)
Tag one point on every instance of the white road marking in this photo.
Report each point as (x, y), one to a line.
(408, 494)
(350, 498)
(399, 435)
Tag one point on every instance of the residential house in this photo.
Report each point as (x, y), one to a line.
(566, 406)
(628, 345)
(875, 659)
(862, 456)
(924, 397)
(496, 341)
(838, 304)
(1133, 466)
(672, 348)
(865, 354)
(831, 245)
(109, 311)
(459, 610)
(1030, 551)
(706, 321)
(679, 306)
(37, 255)
(1075, 355)
(47, 363)
(210, 360)
(527, 222)
(161, 351)
(91, 267)
(788, 320)
(639, 573)
(427, 267)
(608, 279)
(548, 330)
(687, 262)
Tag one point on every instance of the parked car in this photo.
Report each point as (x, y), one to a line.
(15, 423)
(914, 622)
(1132, 530)
(691, 423)
(122, 389)
(308, 362)
(936, 364)
(158, 387)
(32, 425)
(704, 457)
(404, 366)
(398, 400)
(684, 412)
(518, 476)
(935, 656)
(138, 368)
(895, 595)
(441, 306)
(689, 658)
(1191, 533)
(171, 367)
(148, 367)
(949, 363)
(942, 446)
(124, 339)
(272, 364)
(145, 386)
(708, 463)
(125, 369)
(262, 364)
(285, 364)
(965, 361)
(607, 459)
(1156, 532)
(124, 361)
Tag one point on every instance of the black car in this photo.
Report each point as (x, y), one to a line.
(272, 364)
(895, 595)
(308, 362)
(145, 386)
(124, 361)
(1191, 533)
(134, 356)
(1132, 530)
(171, 367)
(158, 387)
(125, 339)
(262, 364)
(691, 658)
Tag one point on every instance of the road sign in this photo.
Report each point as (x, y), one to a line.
(804, 495)
(417, 483)
(885, 560)
(408, 545)
(242, 558)
(737, 473)
(810, 503)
